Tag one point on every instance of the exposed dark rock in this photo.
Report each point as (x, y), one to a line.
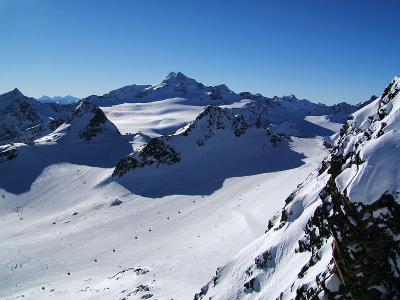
(202, 293)
(8, 154)
(240, 125)
(116, 202)
(276, 138)
(155, 151)
(124, 165)
(261, 261)
(252, 285)
(94, 126)
(55, 123)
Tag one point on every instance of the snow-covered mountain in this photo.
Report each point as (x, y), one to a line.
(89, 213)
(58, 99)
(274, 120)
(337, 234)
(24, 119)
(163, 108)
(223, 125)
(28, 123)
(87, 122)
(175, 85)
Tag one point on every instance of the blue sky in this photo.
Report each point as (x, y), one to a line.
(326, 51)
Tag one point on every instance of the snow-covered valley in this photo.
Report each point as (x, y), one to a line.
(180, 236)
(91, 209)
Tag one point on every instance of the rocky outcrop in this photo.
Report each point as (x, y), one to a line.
(240, 125)
(211, 120)
(20, 121)
(86, 123)
(7, 152)
(95, 125)
(366, 248)
(24, 119)
(156, 152)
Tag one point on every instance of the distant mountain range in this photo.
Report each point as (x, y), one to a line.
(26, 119)
(58, 99)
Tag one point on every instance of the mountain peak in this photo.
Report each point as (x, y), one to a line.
(290, 97)
(15, 93)
(178, 77)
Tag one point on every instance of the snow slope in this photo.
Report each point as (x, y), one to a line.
(191, 233)
(153, 118)
(73, 230)
(69, 229)
(337, 234)
(376, 138)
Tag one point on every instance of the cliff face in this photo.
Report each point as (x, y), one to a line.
(364, 190)
(361, 203)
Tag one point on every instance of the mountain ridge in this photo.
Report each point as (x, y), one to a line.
(326, 240)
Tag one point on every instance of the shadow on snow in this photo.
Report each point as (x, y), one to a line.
(203, 172)
(18, 175)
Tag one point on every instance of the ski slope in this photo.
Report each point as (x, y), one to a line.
(65, 223)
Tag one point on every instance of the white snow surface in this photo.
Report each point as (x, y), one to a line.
(278, 279)
(379, 171)
(65, 236)
(191, 234)
(177, 222)
(153, 118)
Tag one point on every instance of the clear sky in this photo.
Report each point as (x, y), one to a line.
(326, 51)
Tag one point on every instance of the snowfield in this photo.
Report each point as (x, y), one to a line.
(153, 118)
